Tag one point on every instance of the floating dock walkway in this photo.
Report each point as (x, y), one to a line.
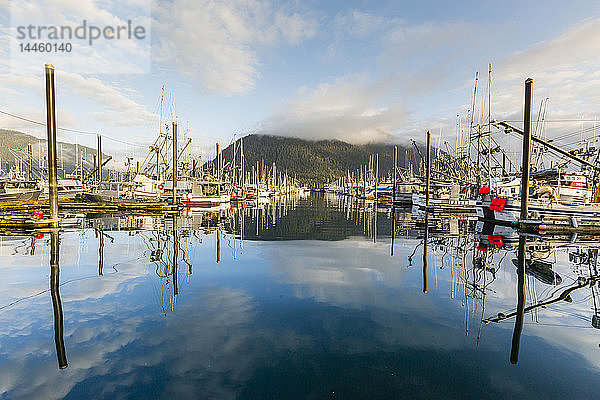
(93, 207)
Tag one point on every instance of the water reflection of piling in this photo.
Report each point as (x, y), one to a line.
(393, 229)
(101, 254)
(56, 303)
(425, 240)
(218, 233)
(516, 339)
(175, 255)
(375, 221)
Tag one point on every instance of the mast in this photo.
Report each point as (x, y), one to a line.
(162, 94)
(471, 123)
(489, 150)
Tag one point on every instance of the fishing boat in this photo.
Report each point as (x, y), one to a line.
(207, 193)
(17, 190)
(564, 197)
(183, 187)
(147, 188)
(250, 191)
(108, 191)
(237, 193)
(503, 210)
(443, 199)
(263, 192)
(68, 188)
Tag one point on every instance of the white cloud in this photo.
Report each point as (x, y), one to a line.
(215, 44)
(359, 108)
(349, 109)
(119, 109)
(104, 56)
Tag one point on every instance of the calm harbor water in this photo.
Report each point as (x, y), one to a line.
(301, 299)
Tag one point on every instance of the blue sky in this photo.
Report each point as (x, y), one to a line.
(353, 70)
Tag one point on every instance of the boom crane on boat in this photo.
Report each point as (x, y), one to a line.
(509, 128)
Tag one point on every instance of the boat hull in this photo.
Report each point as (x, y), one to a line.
(30, 195)
(205, 201)
(538, 209)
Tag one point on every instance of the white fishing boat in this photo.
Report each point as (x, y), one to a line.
(503, 210)
(109, 192)
(250, 191)
(570, 197)
(263, 192)
(68, 188)
(206, 193)
(18, 190)
(444, 199)
(147, 188)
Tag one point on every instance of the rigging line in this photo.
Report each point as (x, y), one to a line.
(68, 129)
(43, 124)
(558, 120)
(20, 299)
(573, 133)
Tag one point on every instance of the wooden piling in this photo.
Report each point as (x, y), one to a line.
(218, 173)
(376, 180)
(526, 148)
(99, 152)
(94, 174)
(428, 171)
(51, 131)
(29, 162)
(395, 168)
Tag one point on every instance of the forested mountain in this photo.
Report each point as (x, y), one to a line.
(18, 141)
(316, 162)
(312, 162)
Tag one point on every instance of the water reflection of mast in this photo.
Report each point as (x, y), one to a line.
(56, 302)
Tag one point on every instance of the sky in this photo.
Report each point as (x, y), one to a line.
(359, 71)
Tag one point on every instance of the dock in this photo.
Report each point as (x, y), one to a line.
(155, 207)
